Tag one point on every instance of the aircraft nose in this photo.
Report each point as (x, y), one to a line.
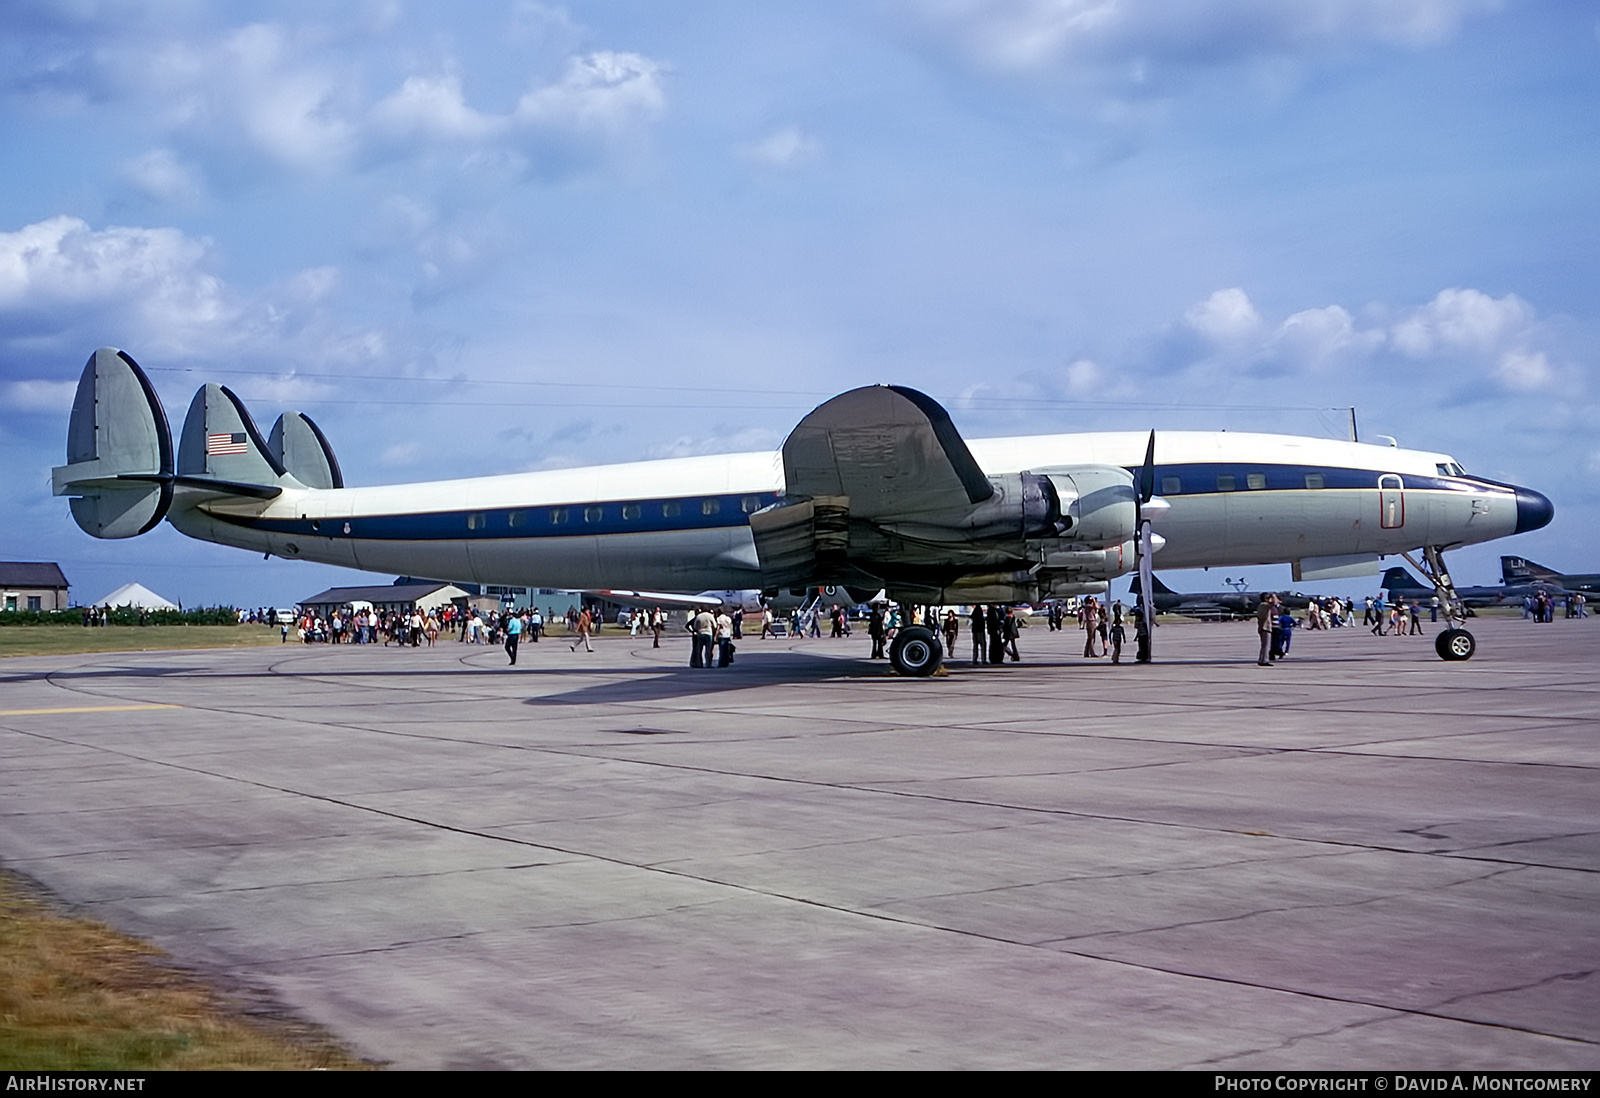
(1534, 510)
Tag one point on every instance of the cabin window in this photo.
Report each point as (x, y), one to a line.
(1316, 480)
(517, 518)
(1255, 481)
(1171, 486)
(559, 516)
(671, 509)
(477, 521)
(632, 511)
(710, 506)
(1227, 482)
(593, 514)
(750, 504)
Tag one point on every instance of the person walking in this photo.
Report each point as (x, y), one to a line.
(513, 635)
(584, 625)
(1266, 618)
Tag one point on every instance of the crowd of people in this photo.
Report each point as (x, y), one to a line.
(994, 630)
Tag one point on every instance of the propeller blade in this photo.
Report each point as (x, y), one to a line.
(1147, 600)
(1147, 475)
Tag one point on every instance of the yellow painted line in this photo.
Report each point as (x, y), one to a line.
(83, 709)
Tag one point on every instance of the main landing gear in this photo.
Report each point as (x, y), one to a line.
(915, 651)
(1455, 643)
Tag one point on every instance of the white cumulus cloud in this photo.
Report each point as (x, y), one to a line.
(1462, 320)
(1460, 334)
(1314, 338)
(63, 262)
(1225, 316)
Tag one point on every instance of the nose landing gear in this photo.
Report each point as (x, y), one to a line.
(1455, 643)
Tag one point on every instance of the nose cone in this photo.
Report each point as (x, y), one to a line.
(1534, 510)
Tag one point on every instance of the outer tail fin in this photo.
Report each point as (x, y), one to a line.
(302, 449)
(119, 467)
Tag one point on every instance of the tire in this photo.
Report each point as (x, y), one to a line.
(1455, 645)
(916, 652)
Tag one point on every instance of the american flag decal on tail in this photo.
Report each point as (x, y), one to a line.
(226, 444)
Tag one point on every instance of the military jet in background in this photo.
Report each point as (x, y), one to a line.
(1401, 584)
(1213, 604)
(1523, 570)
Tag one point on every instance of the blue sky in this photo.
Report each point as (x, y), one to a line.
(473, 239)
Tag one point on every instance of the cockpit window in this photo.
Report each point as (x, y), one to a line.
(1450, 469)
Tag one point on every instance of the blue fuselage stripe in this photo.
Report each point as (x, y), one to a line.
(709, 512)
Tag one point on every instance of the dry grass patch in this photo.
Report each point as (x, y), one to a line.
(77, 996)
(66, 640)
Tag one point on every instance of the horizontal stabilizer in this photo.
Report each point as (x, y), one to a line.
(220, 442)
(119, 450)
(302, 449)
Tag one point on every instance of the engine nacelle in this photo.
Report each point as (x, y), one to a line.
(1095, 562)
(1098, 505)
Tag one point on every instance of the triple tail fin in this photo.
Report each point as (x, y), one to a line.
(123, 471)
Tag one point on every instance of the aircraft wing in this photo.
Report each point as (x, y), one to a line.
(706, 601)
(880, 491)
(883, 454)
(891, 450)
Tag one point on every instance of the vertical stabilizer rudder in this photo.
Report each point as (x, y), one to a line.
(119, 469)
(302, 449)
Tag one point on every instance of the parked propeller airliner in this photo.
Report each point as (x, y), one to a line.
(874, 489)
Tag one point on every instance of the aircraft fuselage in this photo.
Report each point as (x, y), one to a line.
(682, 524)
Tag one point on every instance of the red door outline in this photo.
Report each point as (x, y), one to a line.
(1391, 502)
